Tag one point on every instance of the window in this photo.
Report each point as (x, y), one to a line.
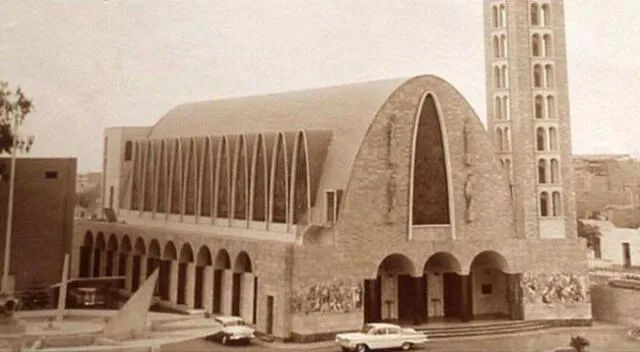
(507, 167)
(503, 45)
(551, 107)
(128, 151)
(545, 15)
(496, 47)
(505, 108)
(330, 206)
(537, 76)
(486, 289)
(539, 107)
(555, 171)
(548, 45)
(557, 204)
(506, 139)
(497, 108)
(536, 46)
(553, 139)
(498, 80)
(505, 77)
(541, 139)
(544, 204)
(51, 175)
(542, 171)
(494, 16)
(503, 16)
(535, 20)
(499, 143)
(548, 76)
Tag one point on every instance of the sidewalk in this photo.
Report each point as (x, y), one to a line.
(597, 326)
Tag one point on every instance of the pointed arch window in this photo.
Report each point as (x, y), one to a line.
(555, 171)
(542, 171)
(128, 151)
(535, 20)
(536, 45)
(537, 76)
(544, 204)
(541, 139)
(557, 204)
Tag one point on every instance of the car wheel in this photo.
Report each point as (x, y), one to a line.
(362, 348)
(225, 340)
(406, 346)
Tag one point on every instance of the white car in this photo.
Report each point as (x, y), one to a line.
(233, 329)
(376, 336)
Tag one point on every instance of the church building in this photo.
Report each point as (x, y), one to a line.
(315, 211)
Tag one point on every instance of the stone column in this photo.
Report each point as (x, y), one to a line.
(246, 309)
(227, 291)
(128, 269)
(173, 282)
(207, 288)
(190, 282)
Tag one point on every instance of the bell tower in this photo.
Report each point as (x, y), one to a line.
(528, 112)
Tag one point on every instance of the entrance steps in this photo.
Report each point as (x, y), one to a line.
(441, 331)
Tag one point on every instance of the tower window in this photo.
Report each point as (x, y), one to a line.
(505, 108)
(494, 16)
(503, 45)
(506, 140)
(507, 167)
(536, 45)
(553, 139)
(499, 139)
(555, 171)
(505, 77)
(551, 107)
(496, 47)
(541, 139)
(537, 76)
(128, 151)
(539, 107)
(544, 204)
(535, 20)
(542, 171)
(498, 108)
(557, 204)
(548, 45)
(503, 16)
(546, 15)
(497, 78)
(50, 175)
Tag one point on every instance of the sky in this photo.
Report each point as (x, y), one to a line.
(89, 65)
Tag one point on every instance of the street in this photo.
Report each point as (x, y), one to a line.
(601, 341)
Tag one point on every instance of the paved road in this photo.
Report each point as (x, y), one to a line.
(601, 341)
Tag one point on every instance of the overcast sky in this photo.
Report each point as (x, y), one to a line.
(89, 65)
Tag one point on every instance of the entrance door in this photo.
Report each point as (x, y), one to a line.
(406, 293)
(236, 294)
(372, 301)
(626, 255)
(452, 289)
(269, 314)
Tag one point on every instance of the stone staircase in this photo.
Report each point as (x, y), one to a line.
(495, 328)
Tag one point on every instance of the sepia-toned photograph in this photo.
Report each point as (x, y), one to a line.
(319, 175)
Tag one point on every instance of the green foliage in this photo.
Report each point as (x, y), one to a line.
(14, 108)
(589, 232)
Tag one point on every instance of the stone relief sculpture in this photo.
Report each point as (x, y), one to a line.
(561, 288)
(328, 297)
(468, 196)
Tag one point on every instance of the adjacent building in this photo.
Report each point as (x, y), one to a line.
(314, 211)
(89, 190)
(44, 199)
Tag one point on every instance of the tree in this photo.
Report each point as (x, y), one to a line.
(14, 108)
(87, 198)
(591, 233)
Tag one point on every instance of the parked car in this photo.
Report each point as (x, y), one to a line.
(232, 329)
(376, 336)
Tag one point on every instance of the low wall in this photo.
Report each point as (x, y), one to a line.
(616, 305)
(318, 327)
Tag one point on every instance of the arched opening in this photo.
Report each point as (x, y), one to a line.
(507, 168)
(553, 139)
(505, 108)
(548, 72)
(223, 180)
(548, 45)
(544, 204)
(112, 252)
(537, 76)
(240, 181)
(503, 46)
(191, 178)
(541, 139)
(555, 171)
(506, 139)
(430, 183)
(186, 258)
(496, 46)
(85, 255)
(206, 179)
(98, 250)
(242, 288)
(494, 291)
(505, 77)
(539, 107)
(503, 16)
(557, 203)
(535, 18)
(139, 250)
(441, 274)
(536, 45)
(392, 295)
(203, 260)
(497, 108)
(175, 201)
(161, 199)
(149, 175)
(300, 183)
(542, 171)
(260, 181)
(494, 16)
(497, 79)
(546, 15)
(123, 259)
(280, 181)
(154, 261)
(220, 269)
(499, 138)
(551, 107)
(169, 255)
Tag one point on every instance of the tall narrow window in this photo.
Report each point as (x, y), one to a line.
(555, 171)
(494, 16)
(496, 73)
(541, 139)
(539, 107)
(548, 73)
(497, 108)
(496, 47)
(330, 206)
(537, 76)
(553, 139)
(535, 21)
(505, 77)
(546, 15)
(128, 151)
(551, 107)
(503, 16)
(507, 167)
(548, 45)
(499, 143)
(536, 45)
(542, 171)
(557, 204)
(506, 139)
(505, 108)
(503, 45)
(544, 204)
